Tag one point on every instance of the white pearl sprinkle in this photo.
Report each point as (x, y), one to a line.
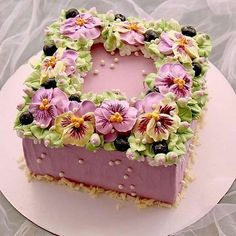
(112, 131)
(35, 141)
(129, 169)
(72, 67)
(61, 174)
(137, 140)
(81, 184)
(132, 187)
(39, 160)
(172, 113)
(112, 66)
(43, 155)
(120, 186)
(136, 54)
(102, 63)
(53, 127)
(95, 72)
(110, 163)
(144, 141)
(112, 53)
(81, 161)
(75, 109)
(116, 60)
(117, 162)
(126, 176)
(159, 123)
(144, 72)
(133, 194)
(46, 142)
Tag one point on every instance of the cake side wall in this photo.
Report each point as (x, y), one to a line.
(109, 170)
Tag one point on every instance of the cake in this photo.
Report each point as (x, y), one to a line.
(113, 104)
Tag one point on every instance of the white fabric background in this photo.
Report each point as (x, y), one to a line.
(22, 23)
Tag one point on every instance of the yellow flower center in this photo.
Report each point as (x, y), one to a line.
(44, 104)
(81, 21)
(182, 42)
(51, 62)
(155, 115)
(180, 82)
(116, 117)
(133, 26)
(77, 121)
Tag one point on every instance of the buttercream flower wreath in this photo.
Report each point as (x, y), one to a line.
(155, 125)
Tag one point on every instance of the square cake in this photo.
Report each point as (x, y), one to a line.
(113, 104)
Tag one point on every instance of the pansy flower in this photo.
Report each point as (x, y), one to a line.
(114, 117)
(130, 32)
(77, 125)
(61, 63)
(175, 43)
(172, 77)
(46, 104)
(157, 119)
(84, 25)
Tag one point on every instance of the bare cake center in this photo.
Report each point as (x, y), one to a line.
(112, 71)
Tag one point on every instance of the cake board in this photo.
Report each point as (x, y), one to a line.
(64, 211)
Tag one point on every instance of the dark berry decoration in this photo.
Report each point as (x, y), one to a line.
(197, 68)
(160, 147)
(51, 83)
(155, 89)
(71, 13)
(121, 143)
(188, 31)
(26, 118)
(49, 50)
(120, 16)
(75, 97)
(150, 35)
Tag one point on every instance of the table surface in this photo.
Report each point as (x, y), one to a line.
(22, 36)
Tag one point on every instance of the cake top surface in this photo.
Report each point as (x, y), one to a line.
(118, 83)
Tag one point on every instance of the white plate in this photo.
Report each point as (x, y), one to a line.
(66, 212)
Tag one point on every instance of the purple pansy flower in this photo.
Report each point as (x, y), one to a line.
(156, 119)
(183, 47)
(63, 62)
(174, 78)
(76, 125)
(84, 25)
(114, 117)
(46, 104)
(131, 32)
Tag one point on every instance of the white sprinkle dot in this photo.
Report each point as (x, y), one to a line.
(144, 72)
(120, 186)
(95, 72)
(39, 160)
(102, 63)
(112, 66)
(111, 163)
(159, 123)
(133, 194)
(129, 169)
(144, 141)
(81, 161)
(126, 176)
(172, 113)
(112, 131)
(81, 184)
(117, 162)
(61, 174)
(136, 54)
(112, 53)
(35, 141)
(43, 155)
(132, 187)
(116, 60)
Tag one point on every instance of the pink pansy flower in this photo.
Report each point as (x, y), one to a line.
(131, 32)
(84, 25)
(157, 119)
(63, 62)
(76, 125)
(114, 117)
(46, 104)
(172, 77)
(175, 43)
